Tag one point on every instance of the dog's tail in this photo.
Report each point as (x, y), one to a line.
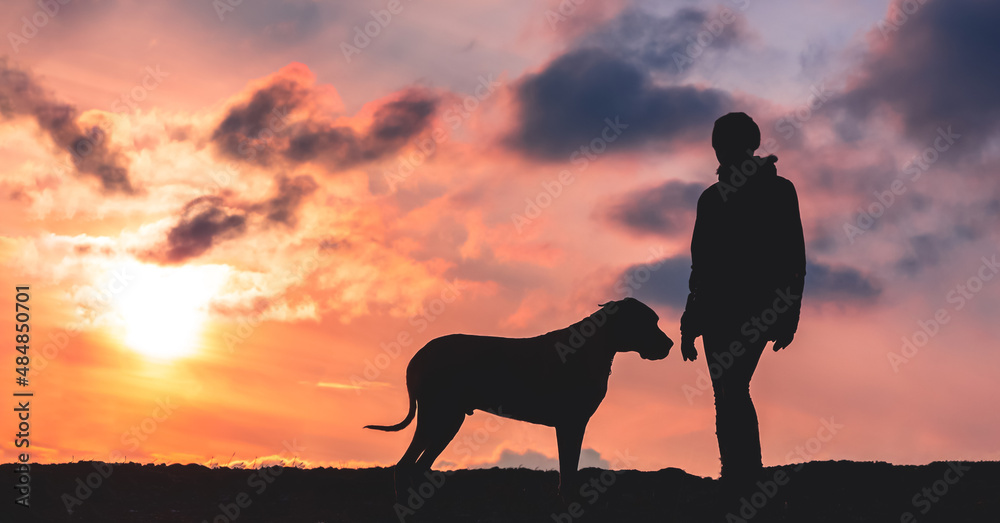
(409, 415)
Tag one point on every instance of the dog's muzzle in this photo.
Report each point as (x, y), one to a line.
(658, 349)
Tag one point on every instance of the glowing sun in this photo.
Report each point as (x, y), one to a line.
(164, 308)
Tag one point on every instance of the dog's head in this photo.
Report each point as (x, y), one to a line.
(635, 328)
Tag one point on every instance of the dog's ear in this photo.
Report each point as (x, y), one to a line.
(602, 305)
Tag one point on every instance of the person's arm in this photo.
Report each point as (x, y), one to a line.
(693, 317)
(795, 262)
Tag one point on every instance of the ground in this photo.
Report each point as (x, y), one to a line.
(829, 491)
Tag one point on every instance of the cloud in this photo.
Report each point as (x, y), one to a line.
(207, 220)
(566, 105)
(935, 244)
(842, 283)
(666, 210)
(668, 43)
(663, 281)
(532, 459)
(282, 207)
(283, 119)
(204, 222)
(666, 282)
(935, 68)
(616, 69)
(248, 128)
(21, 95)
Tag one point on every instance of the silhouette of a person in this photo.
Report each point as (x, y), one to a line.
(747, 268)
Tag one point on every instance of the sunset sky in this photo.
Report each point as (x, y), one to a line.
(230, 216)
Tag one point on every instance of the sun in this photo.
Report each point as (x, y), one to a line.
(163, 309)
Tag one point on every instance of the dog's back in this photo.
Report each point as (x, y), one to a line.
(521, 378)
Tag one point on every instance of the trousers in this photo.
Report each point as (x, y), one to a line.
(732, 359)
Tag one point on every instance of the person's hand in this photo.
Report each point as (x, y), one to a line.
(688, 351)
(782, 341)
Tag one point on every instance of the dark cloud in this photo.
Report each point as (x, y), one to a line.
(828, 283)
(661, 282)
(393, 124)
(665, 210)
(204, 222)
(967, 223)
(668, 44)
(21, 95)
(616, 70)
(264, 128)
(936, 68)
(282, 207)
(923, 251)
(398, 120)
(567, 105)
(340, 144)
(665, 282)
(250, 129)
(208, 220)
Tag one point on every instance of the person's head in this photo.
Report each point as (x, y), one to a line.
(735, 137)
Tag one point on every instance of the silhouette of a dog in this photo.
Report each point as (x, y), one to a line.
(557, 379)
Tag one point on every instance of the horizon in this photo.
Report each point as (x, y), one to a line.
(239, 222)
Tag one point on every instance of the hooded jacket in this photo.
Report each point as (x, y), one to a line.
(747, 250)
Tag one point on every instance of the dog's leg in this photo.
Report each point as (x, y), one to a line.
(406, 467)
(444, 424)
(570, 440)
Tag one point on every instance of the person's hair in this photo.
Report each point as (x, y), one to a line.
(736, 132)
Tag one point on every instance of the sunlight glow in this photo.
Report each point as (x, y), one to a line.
(163, 309)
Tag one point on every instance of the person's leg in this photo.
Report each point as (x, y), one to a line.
(736, 418)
